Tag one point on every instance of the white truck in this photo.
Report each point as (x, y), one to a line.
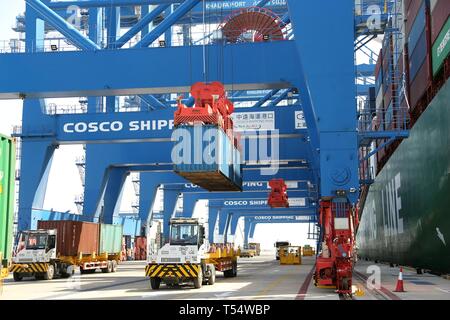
(36, 255)
(57, 248)
(188, 257)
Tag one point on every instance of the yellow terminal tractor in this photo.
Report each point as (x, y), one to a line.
(188, 257)
(308, 251)
(290, 255)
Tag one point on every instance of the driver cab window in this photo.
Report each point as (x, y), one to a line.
(185, 234)
(36, 241)
(51, 242)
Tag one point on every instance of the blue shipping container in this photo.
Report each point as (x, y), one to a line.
(206, 156)
(418, 56)
(388, 116)
(417, 29)
(379, 81)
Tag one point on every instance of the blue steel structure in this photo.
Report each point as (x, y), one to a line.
(146, 61)
(250, 223)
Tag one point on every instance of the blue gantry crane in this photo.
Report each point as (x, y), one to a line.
(129, 60)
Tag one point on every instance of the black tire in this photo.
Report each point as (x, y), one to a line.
(17, 276)
(199, 280)
(83, 271)
(155, 283)
(65, 274)
(50, 272)
(229, 273)
(212, 277)
(108, 268)
(39, 276)
(114, 266)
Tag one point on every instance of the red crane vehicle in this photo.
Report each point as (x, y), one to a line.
(334, 266)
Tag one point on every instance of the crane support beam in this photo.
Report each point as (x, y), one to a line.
(65, 28)
(149, 17)
(98, 73)
(167, 23)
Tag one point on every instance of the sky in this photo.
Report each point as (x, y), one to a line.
(65, 183)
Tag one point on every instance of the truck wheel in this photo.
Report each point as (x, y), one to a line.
(114, 266)
(155, 283)
(108, 269)
(212, 277)
(199, 280)
(50, 272)
(17, 276)
(68, 271)
(234, 269)
(228, 273)
(39, 276)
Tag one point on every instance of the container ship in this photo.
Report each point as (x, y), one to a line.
(405, 211)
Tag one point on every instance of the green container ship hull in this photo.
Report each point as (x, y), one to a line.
(406, 216)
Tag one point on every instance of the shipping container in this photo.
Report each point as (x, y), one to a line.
(74, 237)
(388, 95)
(379, 73)
(440, 12)
(418, 56)
(206, 157)
(380, 100)
(419, 86)
(441, 48)
(140, 248)
(412, 8)
(418, 27)
(110, 239)
(7, 183)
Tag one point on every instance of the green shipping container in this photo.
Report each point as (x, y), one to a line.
(7, 181)
(110, 238)
(441, 48)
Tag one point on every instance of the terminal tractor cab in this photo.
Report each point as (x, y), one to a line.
(36, 255)
(182, 259)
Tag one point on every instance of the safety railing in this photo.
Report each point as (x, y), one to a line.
(53, 109)
(208, 36)
(384, 120)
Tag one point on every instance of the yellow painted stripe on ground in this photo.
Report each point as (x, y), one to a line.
(275, 283)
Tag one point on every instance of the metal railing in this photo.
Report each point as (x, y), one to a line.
(194, 38)
(54, 109)
(384, 120)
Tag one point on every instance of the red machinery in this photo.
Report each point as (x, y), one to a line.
(211, 106)
(334, 266)
(253, 24)
(278, 196)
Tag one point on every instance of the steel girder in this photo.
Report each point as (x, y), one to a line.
(331, 87)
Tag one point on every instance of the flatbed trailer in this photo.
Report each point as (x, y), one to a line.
(64, 266)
